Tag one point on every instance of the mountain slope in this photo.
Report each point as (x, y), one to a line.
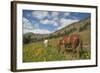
(80, 27)
(74, 28)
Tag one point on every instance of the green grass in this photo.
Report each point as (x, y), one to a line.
(36, 52)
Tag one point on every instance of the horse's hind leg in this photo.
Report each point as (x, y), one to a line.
(77, 52)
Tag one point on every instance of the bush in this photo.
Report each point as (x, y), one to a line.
(26, 39)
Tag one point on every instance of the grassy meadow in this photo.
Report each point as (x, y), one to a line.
(36, 51)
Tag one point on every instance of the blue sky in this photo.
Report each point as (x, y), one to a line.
(45, 22)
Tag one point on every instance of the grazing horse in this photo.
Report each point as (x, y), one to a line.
(45, 43)
(73, 41)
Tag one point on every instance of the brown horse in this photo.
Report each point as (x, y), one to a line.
(73, 41)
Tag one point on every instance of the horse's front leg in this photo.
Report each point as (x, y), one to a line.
(76, 51)
(62, 49)
(73, 49)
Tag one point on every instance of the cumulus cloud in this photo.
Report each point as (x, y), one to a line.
(57, 20)
(65, 22)
(67, 14)
(40, 14)
(52, 19)
(37, 31)
(41, 31)
(27, 24)
(27, 31)
(49, 22)
(28, 27)
(55, 14)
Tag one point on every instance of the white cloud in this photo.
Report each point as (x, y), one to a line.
(55, 14)
(37, 31)
(67, 14)
(45, 21)
(28, 27)
(41, 31)
(40, 14)
(65, 22)
(52, 18)
(27, 24)
(27, 31)
(56, 18)
(55, 23)
(49, 22)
